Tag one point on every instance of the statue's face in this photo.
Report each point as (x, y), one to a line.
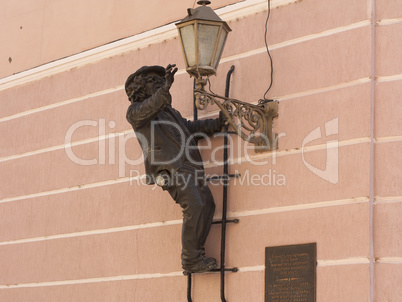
(153, 82)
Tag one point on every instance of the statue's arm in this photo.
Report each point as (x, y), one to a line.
(208, 126)
(141, 113)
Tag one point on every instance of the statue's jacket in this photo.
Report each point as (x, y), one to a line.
(168, 140)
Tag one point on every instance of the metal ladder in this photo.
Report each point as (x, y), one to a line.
(225, 177)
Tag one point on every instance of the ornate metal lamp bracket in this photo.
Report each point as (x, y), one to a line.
(253, 123)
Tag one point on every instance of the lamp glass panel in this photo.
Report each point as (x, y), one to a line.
(221, 44)
(207, 35)
(188, 42)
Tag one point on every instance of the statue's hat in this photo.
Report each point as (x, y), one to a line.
(145, 69)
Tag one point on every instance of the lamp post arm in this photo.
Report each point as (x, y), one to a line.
(253, 123)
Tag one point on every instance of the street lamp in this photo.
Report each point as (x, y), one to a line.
(203, 35)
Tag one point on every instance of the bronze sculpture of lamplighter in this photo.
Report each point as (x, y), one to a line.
(171, 157)
(163, 133)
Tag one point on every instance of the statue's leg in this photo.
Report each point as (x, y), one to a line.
(209, 212)
(198, 208)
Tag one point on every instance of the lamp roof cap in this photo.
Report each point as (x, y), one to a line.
(204, 13)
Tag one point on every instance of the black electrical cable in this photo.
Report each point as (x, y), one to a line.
(209, 86)
(265, 100)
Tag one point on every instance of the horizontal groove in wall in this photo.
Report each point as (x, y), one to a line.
(115, 135)
(229, 13)
(59, 147)
(357, 82)
(387, 200)
(300, 207)
(389, 21)
(100, 54)
(234, 161)
(274, 154)
(295, 41)
(391, 78)
(70, 189)
(94, 232)
(349, 261)
(320, 263)
(63, 103)
(143, 40)
(201, 116)
(90, 140)
(223, 60)
(389, 260)
(388, 139)
(94, 280)
(257, 268)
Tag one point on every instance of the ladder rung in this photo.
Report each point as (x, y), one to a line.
(227, 221)
(215, 270)
(233, 270)
(237, 175)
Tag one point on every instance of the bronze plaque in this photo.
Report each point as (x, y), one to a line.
(290, 273)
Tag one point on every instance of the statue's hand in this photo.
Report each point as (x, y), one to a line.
(223, 120)
(170, 70)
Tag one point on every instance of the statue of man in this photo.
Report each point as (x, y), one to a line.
(171, 156)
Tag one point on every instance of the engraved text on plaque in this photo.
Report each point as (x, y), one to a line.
(290, 273)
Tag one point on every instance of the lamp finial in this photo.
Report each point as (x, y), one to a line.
(203, 2)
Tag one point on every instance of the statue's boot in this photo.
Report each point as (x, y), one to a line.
(202, 266)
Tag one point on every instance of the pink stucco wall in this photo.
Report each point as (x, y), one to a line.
(52, 30)
(74, 232)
